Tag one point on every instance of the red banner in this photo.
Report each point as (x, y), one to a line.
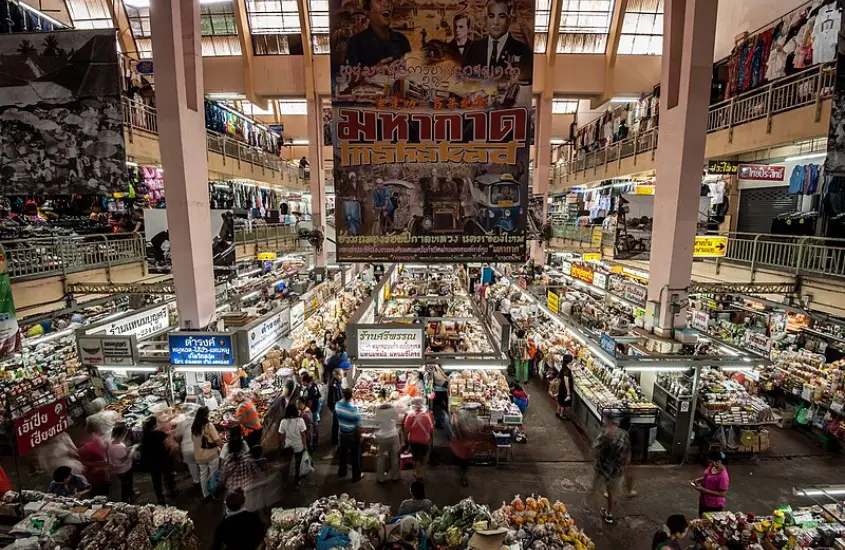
(582, 273)
(39, 425)
(761, 172)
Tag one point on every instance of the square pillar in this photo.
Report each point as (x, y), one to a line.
(175, 26)
(688, 41)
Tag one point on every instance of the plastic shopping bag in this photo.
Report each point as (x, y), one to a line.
(306, 466)
(214, 483)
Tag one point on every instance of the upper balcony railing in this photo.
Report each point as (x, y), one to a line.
(808, 87)
(48, 256)
(804, 256)
(139, 117)
(35, 258)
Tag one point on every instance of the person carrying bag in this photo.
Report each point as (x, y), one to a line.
(207, 444)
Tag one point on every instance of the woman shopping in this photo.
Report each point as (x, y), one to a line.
(207, 444)
(713, 485)
(121, 462)
(292, 432)
(566, 388)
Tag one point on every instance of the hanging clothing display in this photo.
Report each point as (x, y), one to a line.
(801, 39)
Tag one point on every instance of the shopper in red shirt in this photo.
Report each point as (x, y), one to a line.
(418, 427)
(94, 459)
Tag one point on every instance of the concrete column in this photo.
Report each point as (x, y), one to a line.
(689, 34)
(181, 124)
(542, 165)
(318, 180)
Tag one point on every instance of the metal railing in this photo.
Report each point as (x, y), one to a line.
(809, 87)
(264, 233)
(139, 117)
(815, 256)
(806, 256)
(582, 236)
(49, 256)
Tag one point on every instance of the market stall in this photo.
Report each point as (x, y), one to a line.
(39, 520)
(816, 526)
(805, 380)
(533, 523)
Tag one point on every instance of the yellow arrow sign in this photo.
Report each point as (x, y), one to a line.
(710, 247)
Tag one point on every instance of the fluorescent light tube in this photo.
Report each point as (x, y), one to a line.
(126, 369)
(210, 368)
(655, 369)
(806, 157)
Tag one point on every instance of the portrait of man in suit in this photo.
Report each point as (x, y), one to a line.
(461, 26)
(500, 48)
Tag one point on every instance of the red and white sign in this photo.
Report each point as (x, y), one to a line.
(761, 172)
(700, 320)
(759, 342)
(636, 293)
(36, 427)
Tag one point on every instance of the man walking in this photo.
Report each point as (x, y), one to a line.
(335, 396)
(349, 423)
(612, 451)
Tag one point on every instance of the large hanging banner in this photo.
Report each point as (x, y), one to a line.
(61, 123)
(431, 107)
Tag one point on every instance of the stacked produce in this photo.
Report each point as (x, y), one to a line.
(342, 522)
(727, 402)
(368, 386)
(339, 519)
(331, 317)
(549, 525)
(609, 388)
(488, 388)
(810, 527)
(49, 521)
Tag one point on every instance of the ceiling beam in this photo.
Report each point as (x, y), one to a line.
(124, 31)
(611, 53)
(307, 51)
(245, 38)
(554, 32)
(615, 33)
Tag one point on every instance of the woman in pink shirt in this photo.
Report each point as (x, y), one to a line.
(713, 485)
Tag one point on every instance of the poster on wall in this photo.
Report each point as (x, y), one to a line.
(60, 114)
(10, 334)
(431, 108)
(158, 240)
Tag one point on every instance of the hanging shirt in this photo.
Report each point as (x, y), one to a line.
(825, 34)
(796, 181)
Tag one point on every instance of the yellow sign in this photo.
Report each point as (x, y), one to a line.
(553, 302)
(592, 257)
(644, 190)
(710, 247)
(616, 269)
(597, 234)
(386, 290)
(266, 256)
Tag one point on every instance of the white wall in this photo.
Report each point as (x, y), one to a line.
(737, 16)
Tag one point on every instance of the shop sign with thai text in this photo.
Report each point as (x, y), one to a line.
(36, 427)
(390, 343)
(761, 172)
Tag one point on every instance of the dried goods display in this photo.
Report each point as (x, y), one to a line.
(58, 522)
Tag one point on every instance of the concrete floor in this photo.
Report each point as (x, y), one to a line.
(556, 463)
